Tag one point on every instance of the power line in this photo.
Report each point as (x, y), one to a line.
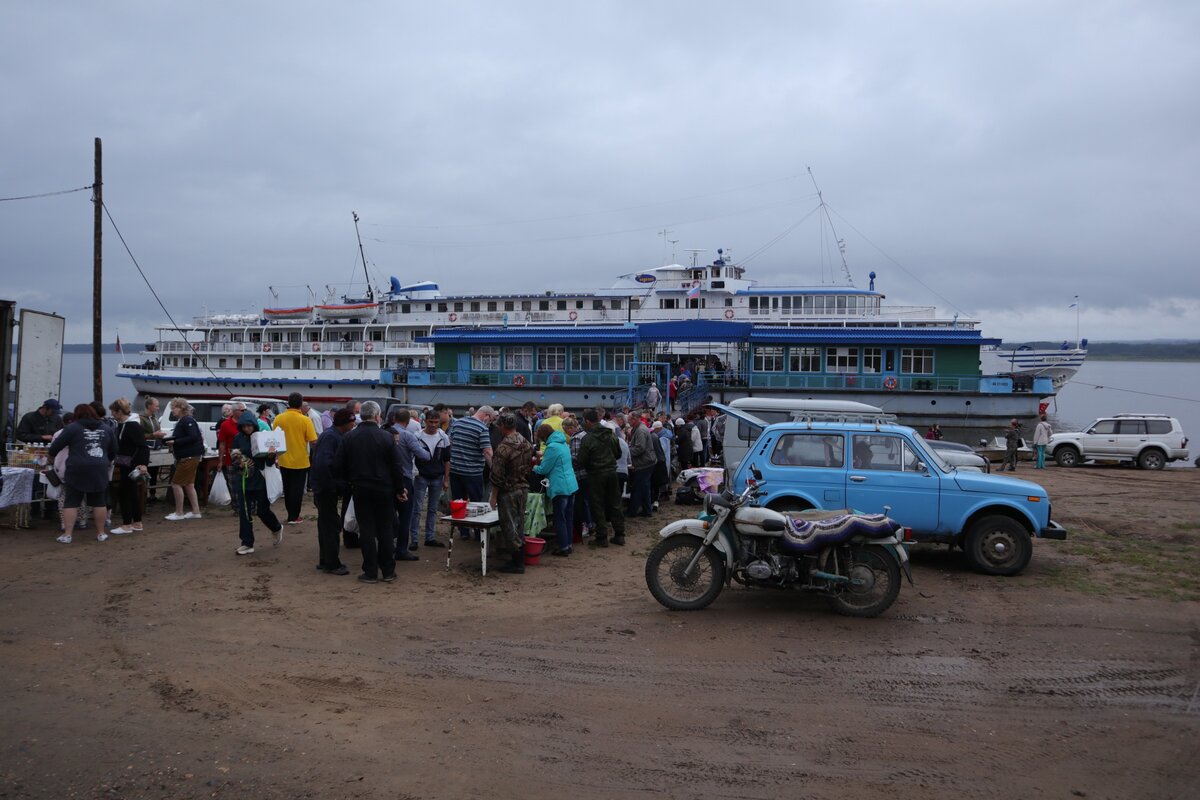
(157, 299)
(46, 194)
(1135, 391)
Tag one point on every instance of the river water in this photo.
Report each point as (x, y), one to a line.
(1099, 388)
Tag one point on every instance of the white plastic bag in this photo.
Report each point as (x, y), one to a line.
(350, 522)
(219, 493)
(274, 483)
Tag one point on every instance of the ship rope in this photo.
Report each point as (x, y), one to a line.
(157, 299)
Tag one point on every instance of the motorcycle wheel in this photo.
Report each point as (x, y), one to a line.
(874, 582)
(668, 584)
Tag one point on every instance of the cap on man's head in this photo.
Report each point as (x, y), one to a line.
(657, 425)
(52, 404)
(680, 421)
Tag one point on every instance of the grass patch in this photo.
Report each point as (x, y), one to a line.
(1106, 564)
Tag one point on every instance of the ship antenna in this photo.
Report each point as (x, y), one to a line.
(363, 256)
(841, 243)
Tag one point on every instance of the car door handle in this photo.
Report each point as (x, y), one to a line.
(858, 478)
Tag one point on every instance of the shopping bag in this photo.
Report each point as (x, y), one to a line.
(535, 513)
(274, 483)
(219, 493)
(350, 522)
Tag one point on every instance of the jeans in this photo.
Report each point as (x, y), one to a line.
(563, 520)
(466, 487)
(1041, 456)
(427, 492)
(639, 491)
(329, 525)
(374, 509)
(294, 481)
(252, 503)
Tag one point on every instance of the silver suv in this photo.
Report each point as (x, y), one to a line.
(1148, 440)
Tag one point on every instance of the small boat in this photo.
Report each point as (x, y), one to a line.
(995, 450)
(300, 312)
(348, 311)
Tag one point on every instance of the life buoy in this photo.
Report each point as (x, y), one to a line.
(369, 347)
(453, 316)
(572, 316)
(266, 347)
(729, 313)
(889, 383)
(519, 380)
(316, 347)
(195, 346)
(695, 284)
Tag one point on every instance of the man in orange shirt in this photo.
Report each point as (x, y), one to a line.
(298, 433)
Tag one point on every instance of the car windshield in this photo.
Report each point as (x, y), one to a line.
(931, 455)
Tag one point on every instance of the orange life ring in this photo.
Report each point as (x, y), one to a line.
(889, 383)
(369, 347)
(453, 316)
(519, 380)
(316, 347)
(266, 347)
(572, 316)
(729, 313)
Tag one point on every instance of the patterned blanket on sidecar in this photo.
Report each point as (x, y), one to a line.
(809, 531)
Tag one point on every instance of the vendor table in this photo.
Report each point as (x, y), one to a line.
(484, 523)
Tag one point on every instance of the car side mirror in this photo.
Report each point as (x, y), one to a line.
(755, 473)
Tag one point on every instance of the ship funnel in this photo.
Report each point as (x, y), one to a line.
(395, 285)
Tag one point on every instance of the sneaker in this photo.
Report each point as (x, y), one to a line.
(137, 529)
(389, 578)
(295, 521)
(101, 537)
(173, 517)
(342, 570)
(656, 505)
(279, 536)
(193, 515)
(64, 539)
(365, 578)
(121, 531)
(245, 550)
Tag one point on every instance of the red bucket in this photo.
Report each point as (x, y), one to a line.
(533, 550)
(458, 509)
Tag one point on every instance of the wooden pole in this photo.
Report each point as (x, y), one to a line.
(97, 284)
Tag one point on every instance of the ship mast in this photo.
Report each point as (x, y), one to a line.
(841, 243)
(363, 256)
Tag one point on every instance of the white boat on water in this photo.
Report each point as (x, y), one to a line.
(1060, 365)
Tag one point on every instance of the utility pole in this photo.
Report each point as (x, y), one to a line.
(97, 288)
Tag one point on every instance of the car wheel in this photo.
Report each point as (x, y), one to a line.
(998, 545)
(1152, 459)
(1066, 457)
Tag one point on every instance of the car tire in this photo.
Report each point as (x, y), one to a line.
(998, 545)
(1151, 459)
(1067, 456)
(786, 504)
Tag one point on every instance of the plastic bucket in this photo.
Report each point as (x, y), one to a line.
(458, 509)
(533, 550)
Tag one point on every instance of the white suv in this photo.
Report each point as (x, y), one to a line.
(1148, 440)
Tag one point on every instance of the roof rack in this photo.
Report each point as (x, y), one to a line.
(1138, 414)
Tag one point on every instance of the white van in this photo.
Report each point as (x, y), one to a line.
(207, 414)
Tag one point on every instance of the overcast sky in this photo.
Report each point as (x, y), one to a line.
(992, 159)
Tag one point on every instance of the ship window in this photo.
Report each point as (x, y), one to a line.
(634, 304)
(475, 305)
(543, 305)
(491, 306)
(619, 358)
(237, 363)
(406, 308)
(258, 363)
(276, 363)
(314, 336)
(562, 305)
(518, 359)
(508, 305)
(617, 304)
(485, 357)
(728, 301)
(774, 303)
(458, 306)
(808, 304)
(552, 358)
(718, 284)
(668, 302)
(442, 308)
(236, 336)
(716, 273)
(804, 359)
(597, 305)
(376, 336)
(295, 363)
(872, 359)
(916, 360)
(841, 359)
(768, 359)
(786, 305)
(526, 305)
(585, 358)
(221, 362)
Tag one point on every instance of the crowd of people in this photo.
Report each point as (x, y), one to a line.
(393, 474)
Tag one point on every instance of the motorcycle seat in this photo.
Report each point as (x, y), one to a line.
(809, 535)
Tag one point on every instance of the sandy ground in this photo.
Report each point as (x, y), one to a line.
(163, 666)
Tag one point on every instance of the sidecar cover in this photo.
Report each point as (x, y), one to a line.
(808, 532)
